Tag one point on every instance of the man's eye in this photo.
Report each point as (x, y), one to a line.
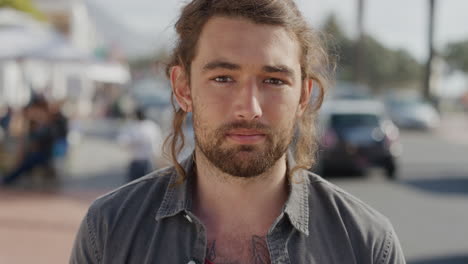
(274, 81)
(222, 79)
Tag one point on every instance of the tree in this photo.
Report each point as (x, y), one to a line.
(25, 6)
(456, 55)
(382, 67)
(340, 47)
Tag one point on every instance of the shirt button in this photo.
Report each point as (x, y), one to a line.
(191, 221)
(191, 262)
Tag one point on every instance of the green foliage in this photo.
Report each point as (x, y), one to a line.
(384, 67)
(456, 55)
(25, 6)
(381, 66)
(340, 47)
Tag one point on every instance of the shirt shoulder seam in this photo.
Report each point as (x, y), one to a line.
(92, 235)
(344, 194)
(150, 177)
(385, 252)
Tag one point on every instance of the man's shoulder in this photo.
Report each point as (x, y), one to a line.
(147, 191)
(353, 212)
(337, 216)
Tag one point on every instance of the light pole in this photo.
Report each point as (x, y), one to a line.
(358, 68)
(428, 70)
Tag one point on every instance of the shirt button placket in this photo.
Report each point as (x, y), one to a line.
(200, 243)
(188, 218)
(277, 245)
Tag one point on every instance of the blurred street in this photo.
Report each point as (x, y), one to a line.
(84, 94)
(431, 191)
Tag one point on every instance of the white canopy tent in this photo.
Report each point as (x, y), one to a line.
(106, 72)
(17, 42)
(21, 34)
(36, 58)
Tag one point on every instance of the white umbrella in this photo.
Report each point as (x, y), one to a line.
(17, 41)
(58, 49)
(109, 72)
(23, 37)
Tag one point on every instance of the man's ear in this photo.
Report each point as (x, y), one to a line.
(307, 86)
(181, 88)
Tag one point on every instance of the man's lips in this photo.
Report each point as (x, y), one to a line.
(246, 136)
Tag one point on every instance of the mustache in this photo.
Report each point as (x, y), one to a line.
(244, 125)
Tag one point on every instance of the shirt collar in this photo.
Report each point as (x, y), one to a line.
(297, 205)
(178, 196)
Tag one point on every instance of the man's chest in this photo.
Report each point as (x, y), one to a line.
(177, 240)
(238, 249)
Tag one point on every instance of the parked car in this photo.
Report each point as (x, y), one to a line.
(357, 135)
(154, 96)
(413, 113)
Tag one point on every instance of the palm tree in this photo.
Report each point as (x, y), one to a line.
(25, 6)
(360, 42)
(428, 73)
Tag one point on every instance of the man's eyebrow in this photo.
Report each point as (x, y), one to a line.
(220, 65)
(279, 68)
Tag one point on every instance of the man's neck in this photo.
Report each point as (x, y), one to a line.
(224, 200)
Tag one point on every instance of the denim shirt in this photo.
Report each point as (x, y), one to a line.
(150, 221)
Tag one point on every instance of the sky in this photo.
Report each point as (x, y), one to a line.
(396, 23)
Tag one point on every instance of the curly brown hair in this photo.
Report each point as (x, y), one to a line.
(315, 64)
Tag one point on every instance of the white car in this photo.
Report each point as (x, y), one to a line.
(413, 113)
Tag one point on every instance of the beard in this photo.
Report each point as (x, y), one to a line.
(244, 161)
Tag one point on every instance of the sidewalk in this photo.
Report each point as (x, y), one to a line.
(454, 128)
(40, 226)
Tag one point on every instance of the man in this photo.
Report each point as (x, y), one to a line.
(36, 147)
(245, 69)
(142, 137)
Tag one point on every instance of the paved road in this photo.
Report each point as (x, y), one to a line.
(428, 205)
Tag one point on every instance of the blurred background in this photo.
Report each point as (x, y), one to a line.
(85, 105)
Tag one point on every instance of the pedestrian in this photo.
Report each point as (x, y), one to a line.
(59, 124)
(246, 70)
(35, 148)
(6, 114)
(143, 138)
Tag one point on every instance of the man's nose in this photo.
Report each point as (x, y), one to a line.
(248, 104)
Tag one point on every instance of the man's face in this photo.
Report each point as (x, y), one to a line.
(245, 93)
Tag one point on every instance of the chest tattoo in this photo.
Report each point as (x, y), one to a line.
(257, 252)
